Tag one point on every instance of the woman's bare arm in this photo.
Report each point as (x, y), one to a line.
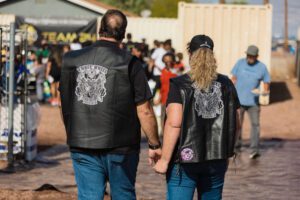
(171, 135)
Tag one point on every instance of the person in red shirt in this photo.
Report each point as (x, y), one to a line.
(166, 74)
(179, 66)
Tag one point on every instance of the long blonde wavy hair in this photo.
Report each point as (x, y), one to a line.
(203, 68)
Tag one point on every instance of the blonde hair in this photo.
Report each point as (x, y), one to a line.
(203, 68)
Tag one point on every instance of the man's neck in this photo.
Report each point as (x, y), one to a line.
(109, 39)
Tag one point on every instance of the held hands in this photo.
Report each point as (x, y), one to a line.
(154, 156)
(161, 166)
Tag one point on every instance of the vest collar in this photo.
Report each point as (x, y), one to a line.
(105, 43)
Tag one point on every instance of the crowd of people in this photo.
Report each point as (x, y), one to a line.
(160, 64)
(44, 62)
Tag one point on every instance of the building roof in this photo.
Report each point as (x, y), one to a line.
(93, 5)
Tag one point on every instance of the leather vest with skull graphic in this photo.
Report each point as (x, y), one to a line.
(98, 105)
(208, 130)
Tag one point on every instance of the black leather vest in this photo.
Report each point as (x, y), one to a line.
(208, 129)
(97, 98)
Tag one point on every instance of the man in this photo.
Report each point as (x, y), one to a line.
(145, 47)
(247, 75)
(105, 103)
(137, 51)
(157, 63)
(129, 44)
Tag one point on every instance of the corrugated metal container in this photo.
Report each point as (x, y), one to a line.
(232, 27)
(6, 19)
(154, 29)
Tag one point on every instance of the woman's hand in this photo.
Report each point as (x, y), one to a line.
(161, 166)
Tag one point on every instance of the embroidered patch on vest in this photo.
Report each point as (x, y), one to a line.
(187, 154)
(90, 87)
(209, 104)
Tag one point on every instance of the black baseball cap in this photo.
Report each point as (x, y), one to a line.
(138, 46)
(200, 41)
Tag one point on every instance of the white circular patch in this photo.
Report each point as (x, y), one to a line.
(187, 154)
(90, 81)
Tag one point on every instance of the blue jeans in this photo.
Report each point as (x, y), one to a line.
(92, 171)
(207, 178)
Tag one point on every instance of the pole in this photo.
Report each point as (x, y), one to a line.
(286, 34)
(25, 94)
(0, 52)
(298, 62)
(10, 155)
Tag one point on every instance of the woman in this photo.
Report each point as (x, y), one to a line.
(201, 127)
(40, 72)
(53, 74)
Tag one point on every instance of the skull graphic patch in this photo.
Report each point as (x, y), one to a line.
(209, 104)
(90, 88)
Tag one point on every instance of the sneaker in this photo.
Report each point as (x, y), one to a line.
(254, 155)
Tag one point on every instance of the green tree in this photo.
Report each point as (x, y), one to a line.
(135, 6)
(238, 2)
(165, 8)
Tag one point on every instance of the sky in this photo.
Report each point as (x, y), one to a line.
(278, 15)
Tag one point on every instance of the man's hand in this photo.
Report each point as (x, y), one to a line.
(161, 166)
(154, 156)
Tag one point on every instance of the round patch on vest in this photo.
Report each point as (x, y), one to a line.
(90, 87)
(187, 154)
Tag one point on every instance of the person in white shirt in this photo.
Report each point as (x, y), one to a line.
(157, 62)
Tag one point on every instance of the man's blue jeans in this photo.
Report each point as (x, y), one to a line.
(92, 171)
(207, 178)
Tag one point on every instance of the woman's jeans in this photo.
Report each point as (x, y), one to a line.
(206, 177)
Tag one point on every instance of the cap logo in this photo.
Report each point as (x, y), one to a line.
(205, 45)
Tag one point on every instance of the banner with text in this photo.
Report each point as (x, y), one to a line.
(58, 30)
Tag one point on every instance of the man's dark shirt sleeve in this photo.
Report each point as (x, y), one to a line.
(174, 95)
(139, 81)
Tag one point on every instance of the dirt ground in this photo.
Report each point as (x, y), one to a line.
(279, 120)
